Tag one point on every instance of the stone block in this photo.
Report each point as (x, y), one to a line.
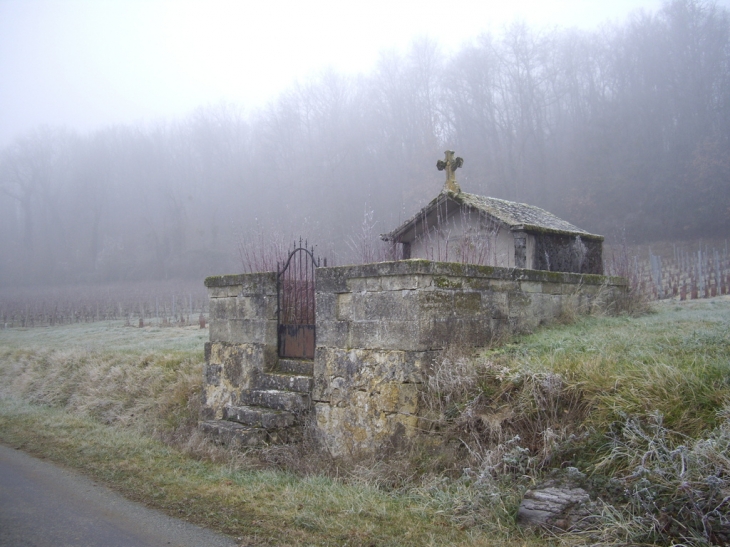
(234, 434)
(400, 282)
(331, 280)
(333, 333)
(339, 373)
(326, 307)
(270, 306)
(552, 288)
(408, 396)
(284, 382)
(373, 283)
(500, 285)
(250, 307)
(531, 287)
(233, 366)
(218, 309)
(439, 333)
(295, 366)
(478, 283)
(402, 335)
(387, 397)
(344, 310)
(571, 304)
(257, 284)
(417, 364)
(448, 282)
(436, 301)
(518, 302)
(387, 305)
(403, 427)
(213, 374)
(217, 292)
(356, 285)
(253, 331)
(434, 333)
(277, 400)
(495, 304)
(364, 334)
(543, 308)
(219, 331)
(259, 417)
(476, 332)
(467, 304)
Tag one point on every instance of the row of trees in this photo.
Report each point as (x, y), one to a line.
(622, 129)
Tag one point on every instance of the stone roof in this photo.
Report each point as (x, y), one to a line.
(518, 216)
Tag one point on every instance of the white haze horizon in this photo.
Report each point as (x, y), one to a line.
(85, 65)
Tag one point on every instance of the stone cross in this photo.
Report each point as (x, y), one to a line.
(450, 165)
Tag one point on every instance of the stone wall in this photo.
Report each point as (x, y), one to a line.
(379, 329)
(380, 326)
(242, 337)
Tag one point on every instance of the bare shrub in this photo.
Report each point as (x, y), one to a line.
(365, 245)
(673, 492)
(262, 249)
(505, 420)
(622, 263)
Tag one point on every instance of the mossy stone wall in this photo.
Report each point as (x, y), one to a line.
(379, 329)
(242, 337)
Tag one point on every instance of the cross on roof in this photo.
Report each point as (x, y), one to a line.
(450, 165)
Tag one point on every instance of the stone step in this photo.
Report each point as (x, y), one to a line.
(303, 367)
(285, 381)
(291, 401)
(232, 433)
(259, 417)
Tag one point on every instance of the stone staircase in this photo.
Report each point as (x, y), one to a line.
(272, 413)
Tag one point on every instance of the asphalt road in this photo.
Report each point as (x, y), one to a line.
(44, 505)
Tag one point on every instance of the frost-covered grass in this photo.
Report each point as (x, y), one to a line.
(639, 405)
(107, 336)
(147, 378)
(122, 404)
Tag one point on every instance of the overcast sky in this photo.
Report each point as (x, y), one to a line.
(86, 64)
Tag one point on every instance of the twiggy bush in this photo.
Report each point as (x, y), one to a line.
(262, 249)
(673, 492)
(621, 263)
(507, 420)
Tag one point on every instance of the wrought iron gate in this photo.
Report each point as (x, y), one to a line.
(295, 310)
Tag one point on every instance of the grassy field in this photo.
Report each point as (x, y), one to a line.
(640, 406)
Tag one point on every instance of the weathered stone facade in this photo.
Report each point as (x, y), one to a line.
(379, 328)
(242, 342)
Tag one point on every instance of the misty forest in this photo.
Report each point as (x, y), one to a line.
(623, 131)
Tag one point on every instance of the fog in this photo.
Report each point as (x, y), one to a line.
(86, 64)
(157, 168)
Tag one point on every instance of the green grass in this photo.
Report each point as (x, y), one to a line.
(675, 362)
